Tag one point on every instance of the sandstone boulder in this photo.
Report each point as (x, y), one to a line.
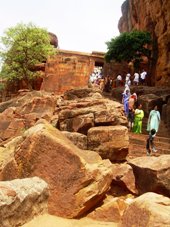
(81, 116)
(80, 123)
(152, 174)
(20, 100)
(111, 210)
(78, 139)
(81, 93)
(149, 209)
(123, 176)
(109, 141)
(22, 112)
(74, 115)
(38, 107)
(9, 125)
(77, 179)
(21, 200)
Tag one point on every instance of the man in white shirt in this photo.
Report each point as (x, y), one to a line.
(136, 79)
(143, 77)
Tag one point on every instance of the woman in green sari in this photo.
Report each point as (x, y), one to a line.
(139, 114)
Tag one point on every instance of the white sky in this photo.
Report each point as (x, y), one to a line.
(80, 25)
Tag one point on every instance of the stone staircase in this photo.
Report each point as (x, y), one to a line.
(137, 147)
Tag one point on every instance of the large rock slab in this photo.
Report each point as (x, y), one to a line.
(149, 209)
(77, 179)
(152, 174)
(21, 200)
(109, 141)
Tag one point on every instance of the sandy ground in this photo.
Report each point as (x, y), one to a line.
(47, 220)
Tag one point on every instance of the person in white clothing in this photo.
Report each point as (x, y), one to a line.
(119, 77)
(128, 82)
(127, 77)
(136, 79)
(143, 77)
(118, 81)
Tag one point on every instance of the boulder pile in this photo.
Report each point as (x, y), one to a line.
(78, 144)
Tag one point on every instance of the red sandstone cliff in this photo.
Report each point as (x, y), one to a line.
(152, 16)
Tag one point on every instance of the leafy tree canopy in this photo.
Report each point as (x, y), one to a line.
(22, 47)
(128, 46)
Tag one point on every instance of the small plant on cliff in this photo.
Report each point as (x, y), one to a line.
(24, 46)
(129, 47)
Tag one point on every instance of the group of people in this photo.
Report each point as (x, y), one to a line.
(136, 80)
(133, 111)
(97, 80)
(135, 114)
(96, 75)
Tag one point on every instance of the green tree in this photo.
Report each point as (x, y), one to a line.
(129, 46)
(22, 47)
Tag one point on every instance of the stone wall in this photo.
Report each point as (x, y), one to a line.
(69, 69)
(152, 16)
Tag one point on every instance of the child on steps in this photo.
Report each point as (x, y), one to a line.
(150, 142)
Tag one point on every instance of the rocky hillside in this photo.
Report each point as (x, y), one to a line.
(152, 16)
(78, 143)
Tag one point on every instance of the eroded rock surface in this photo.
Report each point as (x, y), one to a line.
(78, 139)
(77, 111)
(22, 112)
(152, 16)
(111, 210)
(150, 209)
(149, 101)
(21, 200)
(124, 177)
(77, 179)
(109, 141)
(152, 174)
